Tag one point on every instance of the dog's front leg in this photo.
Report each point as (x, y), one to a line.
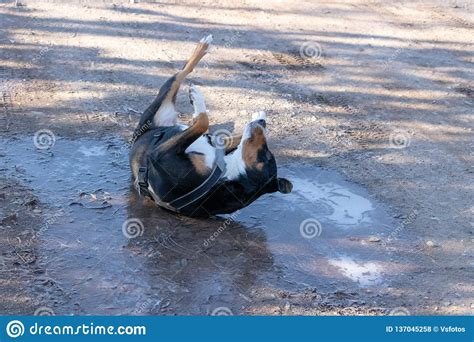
(191, 134)
(200, 120)
(197, 100)
(180, 142)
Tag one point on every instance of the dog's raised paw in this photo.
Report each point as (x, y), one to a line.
(197, 99)
(194, 93)
(206, 40)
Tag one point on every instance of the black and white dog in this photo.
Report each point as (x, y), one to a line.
(188, 171)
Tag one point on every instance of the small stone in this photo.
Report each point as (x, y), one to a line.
(10, 218)
(447, 303)
(37, 211)
(374, 239)
(430, 243)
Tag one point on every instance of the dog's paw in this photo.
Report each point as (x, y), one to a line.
(197, 100)
(259, 116)
(195, 94)
(206, 40)
(204, 43)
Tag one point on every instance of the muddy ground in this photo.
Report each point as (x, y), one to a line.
(370, 113)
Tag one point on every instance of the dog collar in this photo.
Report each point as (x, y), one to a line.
(181, 203)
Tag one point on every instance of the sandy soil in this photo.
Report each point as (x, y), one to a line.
(382, 93)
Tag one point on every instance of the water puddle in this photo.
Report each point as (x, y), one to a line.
(322, 230)
(115, 254)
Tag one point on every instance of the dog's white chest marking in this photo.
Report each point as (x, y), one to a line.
(235, 165)
(201, 145)
(166, 116)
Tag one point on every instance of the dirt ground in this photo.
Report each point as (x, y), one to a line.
(380, 92)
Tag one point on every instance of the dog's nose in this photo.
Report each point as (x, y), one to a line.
(262, 123)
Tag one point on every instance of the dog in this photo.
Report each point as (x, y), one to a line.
(190, 172)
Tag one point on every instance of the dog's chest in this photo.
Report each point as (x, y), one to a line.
(202, 146)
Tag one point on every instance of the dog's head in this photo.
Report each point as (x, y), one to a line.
(259, 162)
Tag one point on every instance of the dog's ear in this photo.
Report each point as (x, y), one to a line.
(284, 185)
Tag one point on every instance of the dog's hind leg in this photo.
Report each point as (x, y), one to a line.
(198, 54)
(230, 143)
(162, 111)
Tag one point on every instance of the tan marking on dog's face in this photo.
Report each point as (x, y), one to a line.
(251, 147)
(259, 166)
